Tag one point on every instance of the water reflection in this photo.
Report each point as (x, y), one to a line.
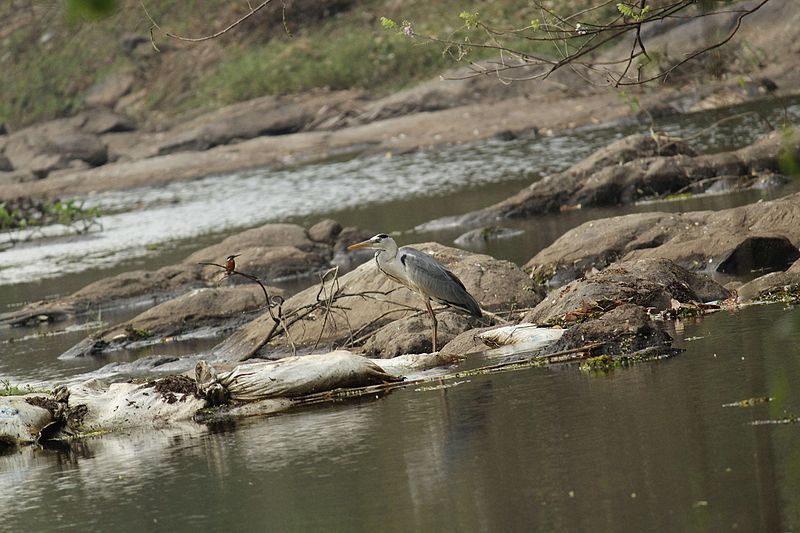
(644, 448)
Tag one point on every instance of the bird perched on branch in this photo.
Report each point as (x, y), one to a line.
(422, 274)
(230, 264)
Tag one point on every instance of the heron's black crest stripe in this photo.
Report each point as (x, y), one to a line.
(383, 236)
(403, 258)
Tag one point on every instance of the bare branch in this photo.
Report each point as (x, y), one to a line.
(154, 25)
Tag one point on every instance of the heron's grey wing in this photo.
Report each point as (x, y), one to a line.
(436, 282)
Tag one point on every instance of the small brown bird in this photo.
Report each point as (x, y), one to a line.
(230, 264)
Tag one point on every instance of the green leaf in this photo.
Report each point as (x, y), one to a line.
(388, 23)
(470, 19)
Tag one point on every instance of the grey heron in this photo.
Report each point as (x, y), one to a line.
(422, 274)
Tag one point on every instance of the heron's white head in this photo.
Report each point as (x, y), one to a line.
(381, 241)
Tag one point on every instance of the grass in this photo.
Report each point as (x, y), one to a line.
(51, 62)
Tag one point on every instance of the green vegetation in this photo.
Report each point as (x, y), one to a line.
(41, 213)
(789, 294)
(138, 333)
(360, 60)
(52, 57)
(749, 402)
(7, 389)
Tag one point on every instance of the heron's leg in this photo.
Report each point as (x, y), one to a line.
(433, 319)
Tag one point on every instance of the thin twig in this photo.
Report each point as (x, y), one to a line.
(155, 26)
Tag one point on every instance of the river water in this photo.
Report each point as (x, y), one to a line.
(558, 449)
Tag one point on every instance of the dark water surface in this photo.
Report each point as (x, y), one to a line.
(645, 448)
(638, 449)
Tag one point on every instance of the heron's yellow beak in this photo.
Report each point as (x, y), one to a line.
(358, 245)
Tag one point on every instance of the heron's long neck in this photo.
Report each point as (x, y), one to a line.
(387, 254)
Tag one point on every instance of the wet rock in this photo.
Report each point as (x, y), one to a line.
(624, 330)
(652, 283)
(775, 286)
(478, 238)
(414, 334)
(107, 92)
(218, 308)
(636, 168)
(700, 240)
(367, 300)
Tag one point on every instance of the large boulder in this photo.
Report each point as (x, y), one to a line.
(215, 309)
(272, 251)
(652, 283)
(763, 235)
(414, 334)
(622, 331)
(52, 146)
(641, 167)
(364, 300)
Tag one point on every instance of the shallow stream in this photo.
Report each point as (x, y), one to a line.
(649, 447)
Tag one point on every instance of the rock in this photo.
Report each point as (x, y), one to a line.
(367, 300)
(759, 253)
(16, 176)
(325, 231)
(268, 252)
(348, 260)
(466, 342)
(99, 121)
(22, 419)
(217, 308)
(5, 164)
(700, 240)
(623, 330)
(269, 115)
(107, 92)
(414, 334)
(478, 238)
(775, 286)
(647, 282)
(635, 168)
(51, 146)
